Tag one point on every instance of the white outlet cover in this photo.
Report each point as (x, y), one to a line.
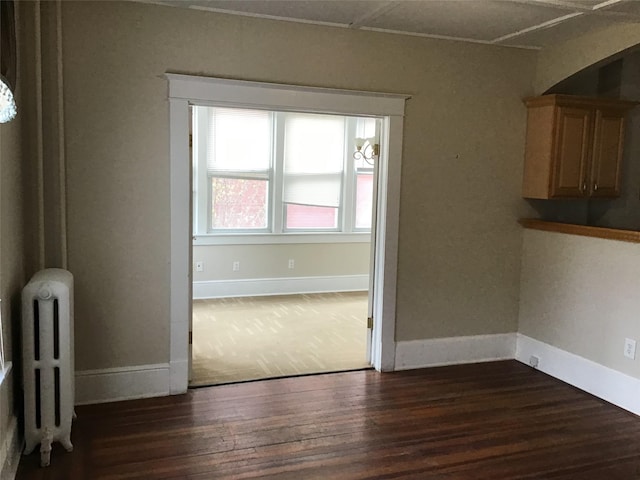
(630, 348)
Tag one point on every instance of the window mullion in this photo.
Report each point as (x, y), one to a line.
(277, 173)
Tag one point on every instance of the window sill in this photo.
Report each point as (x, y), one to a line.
(280, 238)
(4, 374)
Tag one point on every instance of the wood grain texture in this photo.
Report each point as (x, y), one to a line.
(572, 152)
(608, 145)
(538, 154)
(583, 230)
(499, 420)
(574, 146)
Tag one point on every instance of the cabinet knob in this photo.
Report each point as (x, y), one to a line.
(584, 186)
(595, 187)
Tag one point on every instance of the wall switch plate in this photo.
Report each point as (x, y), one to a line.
(630, 348)
(292, 263)
(236, 266)
(200, 266)
(534, 361)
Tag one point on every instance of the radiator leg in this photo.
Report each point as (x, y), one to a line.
(45, 448)
(66, 443)
(28, 448)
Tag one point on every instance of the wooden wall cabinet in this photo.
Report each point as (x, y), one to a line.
(574, 146)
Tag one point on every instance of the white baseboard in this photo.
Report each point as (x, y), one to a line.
(10, 451)
(455, 350)
(10, 441)
(108, 385)
(279, 286)
(603, 382)
(126, 383)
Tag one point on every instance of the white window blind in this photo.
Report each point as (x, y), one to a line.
(313, 159)
(366, 127)
(239, 143)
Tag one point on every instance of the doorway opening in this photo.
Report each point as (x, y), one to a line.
(282, 221)
(187, 91)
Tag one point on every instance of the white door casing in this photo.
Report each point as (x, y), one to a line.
(185, 90)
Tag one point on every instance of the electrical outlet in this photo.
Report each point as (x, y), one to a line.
(292, 263)
(534, 361)
(630, 348)
(236, 266)
(200, 266)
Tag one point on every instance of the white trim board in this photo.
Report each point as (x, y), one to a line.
(11, 445)
(603, 382)
(185, 90)
(454, 350)
(108, 385)
(10, 451)
(242, 93)
(125, 383)
(279, 286)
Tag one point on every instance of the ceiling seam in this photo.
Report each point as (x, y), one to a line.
(541, 26)
(375, 13)
(601, 10)
(447, 37)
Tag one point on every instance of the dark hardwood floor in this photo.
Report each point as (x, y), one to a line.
(489, 421)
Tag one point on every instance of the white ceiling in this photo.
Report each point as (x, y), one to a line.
(515, 23)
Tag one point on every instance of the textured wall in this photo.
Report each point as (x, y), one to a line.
(11, 263)
(272, 261)
(580, 294)
(462, 163)
(13, 249)
(560, 61)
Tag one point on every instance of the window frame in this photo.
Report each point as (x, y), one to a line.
(203, 231)
(356, 170)
(340, 226)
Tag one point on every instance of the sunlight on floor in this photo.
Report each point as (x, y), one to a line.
(247, 338)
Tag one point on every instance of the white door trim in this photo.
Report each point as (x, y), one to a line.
(185, 90)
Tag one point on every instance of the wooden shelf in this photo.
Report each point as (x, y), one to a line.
(583, 230)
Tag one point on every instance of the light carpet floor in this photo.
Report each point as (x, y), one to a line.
(250, 338)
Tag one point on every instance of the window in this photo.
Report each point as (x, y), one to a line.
(260, 171)
(238, 167)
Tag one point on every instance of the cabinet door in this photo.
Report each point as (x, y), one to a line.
(573, 131)
(607, 153)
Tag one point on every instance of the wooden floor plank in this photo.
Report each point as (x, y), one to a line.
(499, 420)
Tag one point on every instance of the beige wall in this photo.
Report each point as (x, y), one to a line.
(463, 148)
(580, 294)
(272, 261)
(560, 61)
(12, 262)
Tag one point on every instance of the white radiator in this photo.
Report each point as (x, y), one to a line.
(48, 363)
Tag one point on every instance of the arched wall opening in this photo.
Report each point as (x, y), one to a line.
(617, 76)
